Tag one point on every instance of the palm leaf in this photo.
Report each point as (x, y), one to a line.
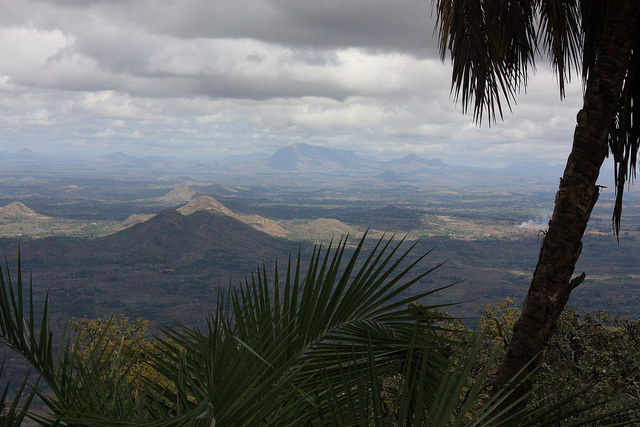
(462, 397)
(492, 45)
(13, 413)
(269, 346)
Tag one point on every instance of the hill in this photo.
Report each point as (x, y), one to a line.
(412, 162)
(170, 266)
(205, 203)
(19, 210)
(171, 235)
(209, 204)
(181, 194)
(314, 158)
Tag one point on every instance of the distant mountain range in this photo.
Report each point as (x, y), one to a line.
(24, 155)
(296, 165)
(303, 160)
(413, 162)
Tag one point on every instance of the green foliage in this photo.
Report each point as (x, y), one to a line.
(593, 352)
(597, 352)
(13, 413)
(309, 347)
(496, 322)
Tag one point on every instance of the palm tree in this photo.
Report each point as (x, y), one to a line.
(493, 46)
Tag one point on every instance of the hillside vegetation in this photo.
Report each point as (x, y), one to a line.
(340, 342)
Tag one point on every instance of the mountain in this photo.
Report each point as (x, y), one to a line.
(205, 203)
(181, 194)
(169, 267)
(167, 237)
(118, 156)
(19, 210)
(187, 190)
(120, 160)
(296, 165)
(171, 235)
(209, 204)
(389, 176)
(24, 155)
(413, 162)
(305, 157)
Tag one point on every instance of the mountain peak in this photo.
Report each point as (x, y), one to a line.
(204, 203)
(211, 205)
(301, 156)
(414, 161)
(412, 157)
(24, 155)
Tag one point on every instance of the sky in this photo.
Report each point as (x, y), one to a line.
(208, 79)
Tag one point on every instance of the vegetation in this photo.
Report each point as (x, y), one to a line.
(597, 352)
(13, 412)
(310, 347)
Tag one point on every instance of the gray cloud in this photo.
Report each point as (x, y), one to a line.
(227, 75)
(402, 25)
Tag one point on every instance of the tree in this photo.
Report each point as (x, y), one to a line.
(599, 352)
(493, 46)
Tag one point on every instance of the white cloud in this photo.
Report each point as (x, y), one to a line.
(28, 50)
(229, 76)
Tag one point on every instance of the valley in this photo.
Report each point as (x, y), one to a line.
(157, 239)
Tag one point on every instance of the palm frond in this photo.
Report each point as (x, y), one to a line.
(81, 391)
(492, 46)
(18, 329)
(14, 412)
(268, 345)
(561, 37)
(624, 137)
(462, 398)
(592, 13)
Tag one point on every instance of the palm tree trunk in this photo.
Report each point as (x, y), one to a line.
(578, 193)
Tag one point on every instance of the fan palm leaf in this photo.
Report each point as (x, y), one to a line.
(278, 342)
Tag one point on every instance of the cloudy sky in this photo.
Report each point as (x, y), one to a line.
(212, 78)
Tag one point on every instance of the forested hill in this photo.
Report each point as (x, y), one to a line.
(165, 268)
